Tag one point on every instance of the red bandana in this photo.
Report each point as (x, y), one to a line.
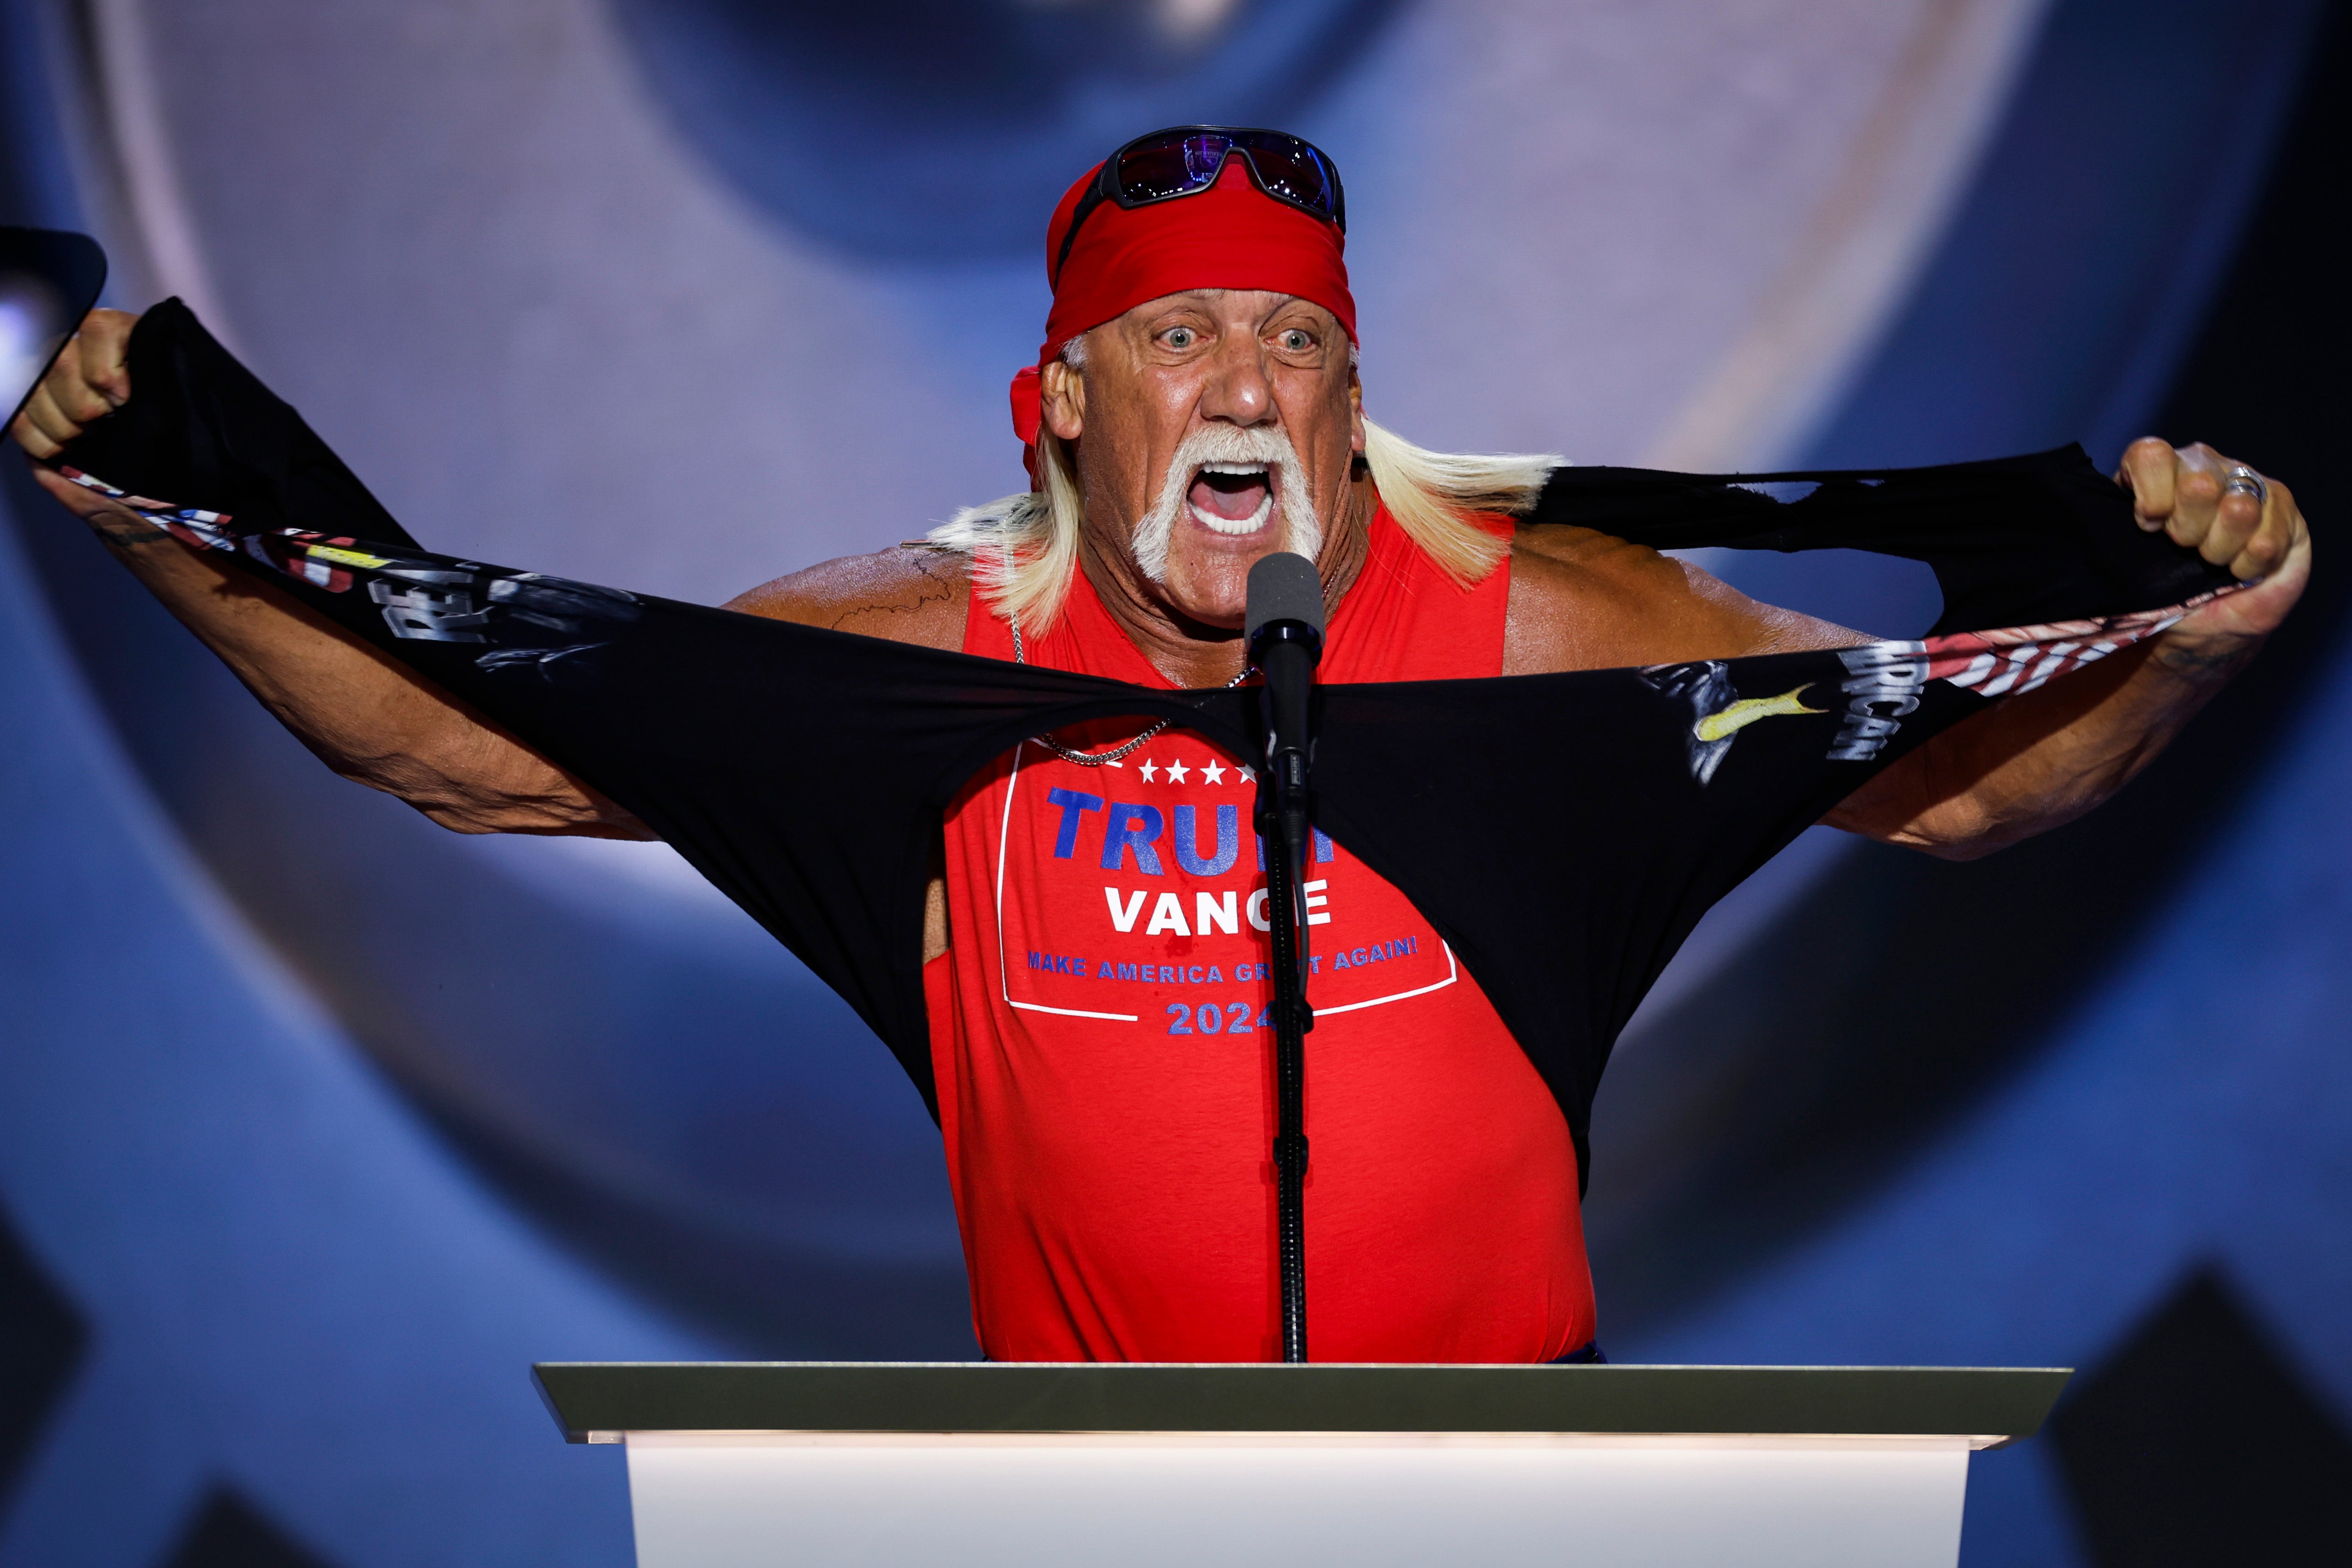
(1233, 236)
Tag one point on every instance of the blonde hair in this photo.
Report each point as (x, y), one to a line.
(1023, 548)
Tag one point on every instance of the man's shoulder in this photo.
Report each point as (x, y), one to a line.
(911, 592)
(1585, 600)
(1575, 549)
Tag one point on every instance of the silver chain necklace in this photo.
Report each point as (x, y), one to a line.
(1100, 759)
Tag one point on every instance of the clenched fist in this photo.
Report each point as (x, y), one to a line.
(2233, 517)
(87, 381)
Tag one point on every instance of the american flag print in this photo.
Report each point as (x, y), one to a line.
(1884, 679)
(313, 557)
(2016, 660)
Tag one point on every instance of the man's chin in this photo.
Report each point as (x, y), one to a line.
(1211, 585)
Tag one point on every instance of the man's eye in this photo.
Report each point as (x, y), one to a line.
(1179, 337)
(1297, 342)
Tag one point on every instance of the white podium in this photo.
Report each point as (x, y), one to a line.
(975, 1465)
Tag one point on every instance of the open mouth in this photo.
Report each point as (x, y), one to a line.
(1232, 498)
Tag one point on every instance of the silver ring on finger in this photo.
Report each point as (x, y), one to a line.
(2244, 481)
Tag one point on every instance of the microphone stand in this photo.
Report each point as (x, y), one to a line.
(1285, 871)
(1286, 650)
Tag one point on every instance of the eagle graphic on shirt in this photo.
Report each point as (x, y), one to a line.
(1718, 713)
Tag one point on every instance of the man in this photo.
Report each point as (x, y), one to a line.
(1094, 978)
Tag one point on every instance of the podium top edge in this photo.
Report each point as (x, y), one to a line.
(1277, 1369)
(1046, 1397)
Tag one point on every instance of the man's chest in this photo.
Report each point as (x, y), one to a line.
(1133, 897)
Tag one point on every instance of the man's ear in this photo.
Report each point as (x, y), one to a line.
(1355, 412)
(1062, 399)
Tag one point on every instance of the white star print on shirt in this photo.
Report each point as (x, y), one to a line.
(1213, 774)
(1177, 771)
(1249, 773)
(1150, 770)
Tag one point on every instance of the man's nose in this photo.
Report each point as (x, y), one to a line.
(1238, 390)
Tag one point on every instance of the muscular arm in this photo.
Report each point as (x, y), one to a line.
(1584, 601)
(359, 711)
(2041, 760)
(365, 715)
(2038, 761)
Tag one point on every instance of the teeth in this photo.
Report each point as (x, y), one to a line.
(1237, 469)
(1234, 525)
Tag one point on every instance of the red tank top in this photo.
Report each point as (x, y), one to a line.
(1104, 1071)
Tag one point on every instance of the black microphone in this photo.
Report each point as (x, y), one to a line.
(1284, 624)
(1284, 627)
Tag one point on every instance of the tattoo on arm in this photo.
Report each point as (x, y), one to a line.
(931, 571)
(2203, 663)
(127, 532)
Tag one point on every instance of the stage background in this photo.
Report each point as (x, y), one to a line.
(318, 1124)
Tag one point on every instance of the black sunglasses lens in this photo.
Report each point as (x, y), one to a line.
(1176, 167)
(1289, 168)
(1185, 164)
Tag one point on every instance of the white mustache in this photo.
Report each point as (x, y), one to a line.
(1229, 446)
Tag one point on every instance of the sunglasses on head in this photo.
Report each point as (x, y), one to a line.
(1185, 160)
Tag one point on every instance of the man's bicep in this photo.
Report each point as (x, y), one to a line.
(367, 716)
(379, 723)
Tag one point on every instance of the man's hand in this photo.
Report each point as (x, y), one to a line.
(88, 382)
(367, 716)
(2045, 758)
(2234, 518)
